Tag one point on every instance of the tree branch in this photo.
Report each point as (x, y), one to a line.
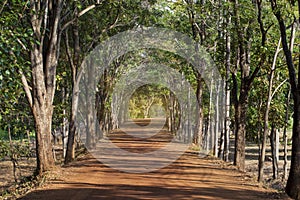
(69, 55)
(113, 25)
(3, 6)
(26, 87)
(287, 51)
(54, 10)
(277, 88)
(79, 15)
(45, 24)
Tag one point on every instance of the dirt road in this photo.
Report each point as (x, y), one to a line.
(190, 177)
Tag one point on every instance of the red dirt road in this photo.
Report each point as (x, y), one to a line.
(190, 177)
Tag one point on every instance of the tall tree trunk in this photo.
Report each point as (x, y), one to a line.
(198, 36)
(74, 63)
(285, 138)
(45, 16)
(210, 121)
(199, 122)
(70, 152)
(227, 95)
(217, 119)
(148, 106)
(241, 107)
(74, 60)
(240, 134)
(222, 120)
(172, 112)
(241, 102)
(65, 131)
(273, 137)
(266, 117)
(293, 183)
(90, 87)
(43, 122)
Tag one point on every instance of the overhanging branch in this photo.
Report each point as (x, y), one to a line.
(87, 9)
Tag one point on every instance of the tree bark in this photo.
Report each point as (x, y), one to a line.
(45, 15)
(75, 62)
(293, 183)
(227, 95)
(241, 103)
(210, 121)
(199, 123)
(65, 130)
(70, 152)
(273, 137)
(43, 122)
(217, 119)
(285, 138)
(198, 36)
(266, 117)
(90, 98)
(240, 134)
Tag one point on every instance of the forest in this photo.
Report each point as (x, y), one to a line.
(158, 89)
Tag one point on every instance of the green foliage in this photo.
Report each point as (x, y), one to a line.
(18, 149)
(114, 16)
(147, 101)
(15, 36)
(3, 135)
(4, 148)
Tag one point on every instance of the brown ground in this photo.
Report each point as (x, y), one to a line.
(25, 168)
(190, 177)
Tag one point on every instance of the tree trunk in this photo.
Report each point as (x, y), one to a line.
(266, 117)
(206, 138)
(227, 121)
(227, 95)
(70, 152)
(90, 105)
(65, 122)
(74, 60)
(172, 113)
(198, 36)
(241, 102)
(147, 107)
(189, 124)
(293, 183)
(217, 118)
(285, 138)
(210, 121)
(222, 120)
(44, 56)
(74, 63)
(240, 134)
(273, 137)
(43, 121)
(199, 122)
(241, 107)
